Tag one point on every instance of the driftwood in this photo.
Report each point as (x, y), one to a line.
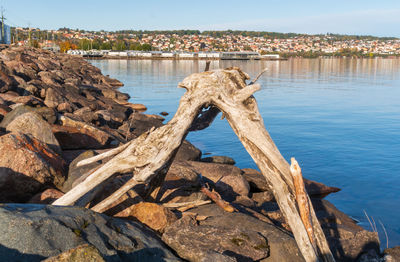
(214, 196)
(150, 155)
(302, 200)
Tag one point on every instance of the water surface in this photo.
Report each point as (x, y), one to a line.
(340, 118)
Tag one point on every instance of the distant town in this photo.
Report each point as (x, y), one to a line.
(281, 45)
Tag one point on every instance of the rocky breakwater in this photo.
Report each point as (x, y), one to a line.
(56, 110)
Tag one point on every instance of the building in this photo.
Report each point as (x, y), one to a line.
(240, 56)
(5, 35)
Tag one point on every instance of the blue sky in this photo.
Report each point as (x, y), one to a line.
(381, 18)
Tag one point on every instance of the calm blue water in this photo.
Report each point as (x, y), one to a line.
(340, 118)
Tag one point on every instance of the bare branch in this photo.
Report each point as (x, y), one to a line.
(258, 76)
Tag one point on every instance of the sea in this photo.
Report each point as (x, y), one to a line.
(339, 117)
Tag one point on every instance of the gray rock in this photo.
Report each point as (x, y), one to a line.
(182, 237)
(32, 124)
(36, 232)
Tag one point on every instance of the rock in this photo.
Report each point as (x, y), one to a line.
(53, 98)
(123, 204)
(46, 197)
(346, 239)
(232, 234)
(261, 197)
(27, 166)
(214, 172)
(138, 107)
(258, 184)
(153, 215)
(75, 172)
(139, 123)
(187, 151)
(219, 160)
(14, 114)
(32, 124)
(181, 184)
(78, 135)
(86, 114)
(163, 113)
(48, 114)
(65, 107)
(36, 232)
(392, 254)
(229, 187)
(256, 180)
(83, 252)
(316, 189)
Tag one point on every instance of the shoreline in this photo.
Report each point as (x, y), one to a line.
(218, 59)
(71, 101)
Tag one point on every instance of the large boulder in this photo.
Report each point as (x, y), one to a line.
(36, 232)
(32, 124)
(235, 235)
(79, 135)
(27, 166)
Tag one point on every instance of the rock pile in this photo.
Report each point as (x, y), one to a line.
(56, 110)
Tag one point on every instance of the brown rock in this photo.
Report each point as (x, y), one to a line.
(79, 135)
(32, 124)
(27, 166)
(53, 98)
(261, 197)
(137, 107)
(258, 184)
(187, 151)
(65, 107)
(181, 184)
(46, 197)
(153, 215)
(215, 172)
(232, 186)
(317, 189)
(256, 180)
(392, 254)
(83, 252)
(219, 160)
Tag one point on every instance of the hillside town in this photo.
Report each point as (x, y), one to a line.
(286, 45)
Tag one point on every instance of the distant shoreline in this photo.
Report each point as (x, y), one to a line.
(219, 59)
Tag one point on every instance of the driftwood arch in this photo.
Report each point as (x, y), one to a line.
(150, 155)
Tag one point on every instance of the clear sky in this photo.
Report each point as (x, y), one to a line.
(375, 17)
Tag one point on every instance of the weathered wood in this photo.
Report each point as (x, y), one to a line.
(151, 153)
(302, 200)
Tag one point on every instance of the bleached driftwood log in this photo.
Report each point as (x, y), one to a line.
(151, 153)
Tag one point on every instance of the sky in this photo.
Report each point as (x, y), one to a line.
(366, 17)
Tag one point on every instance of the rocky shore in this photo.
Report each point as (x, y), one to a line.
(56, 109)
